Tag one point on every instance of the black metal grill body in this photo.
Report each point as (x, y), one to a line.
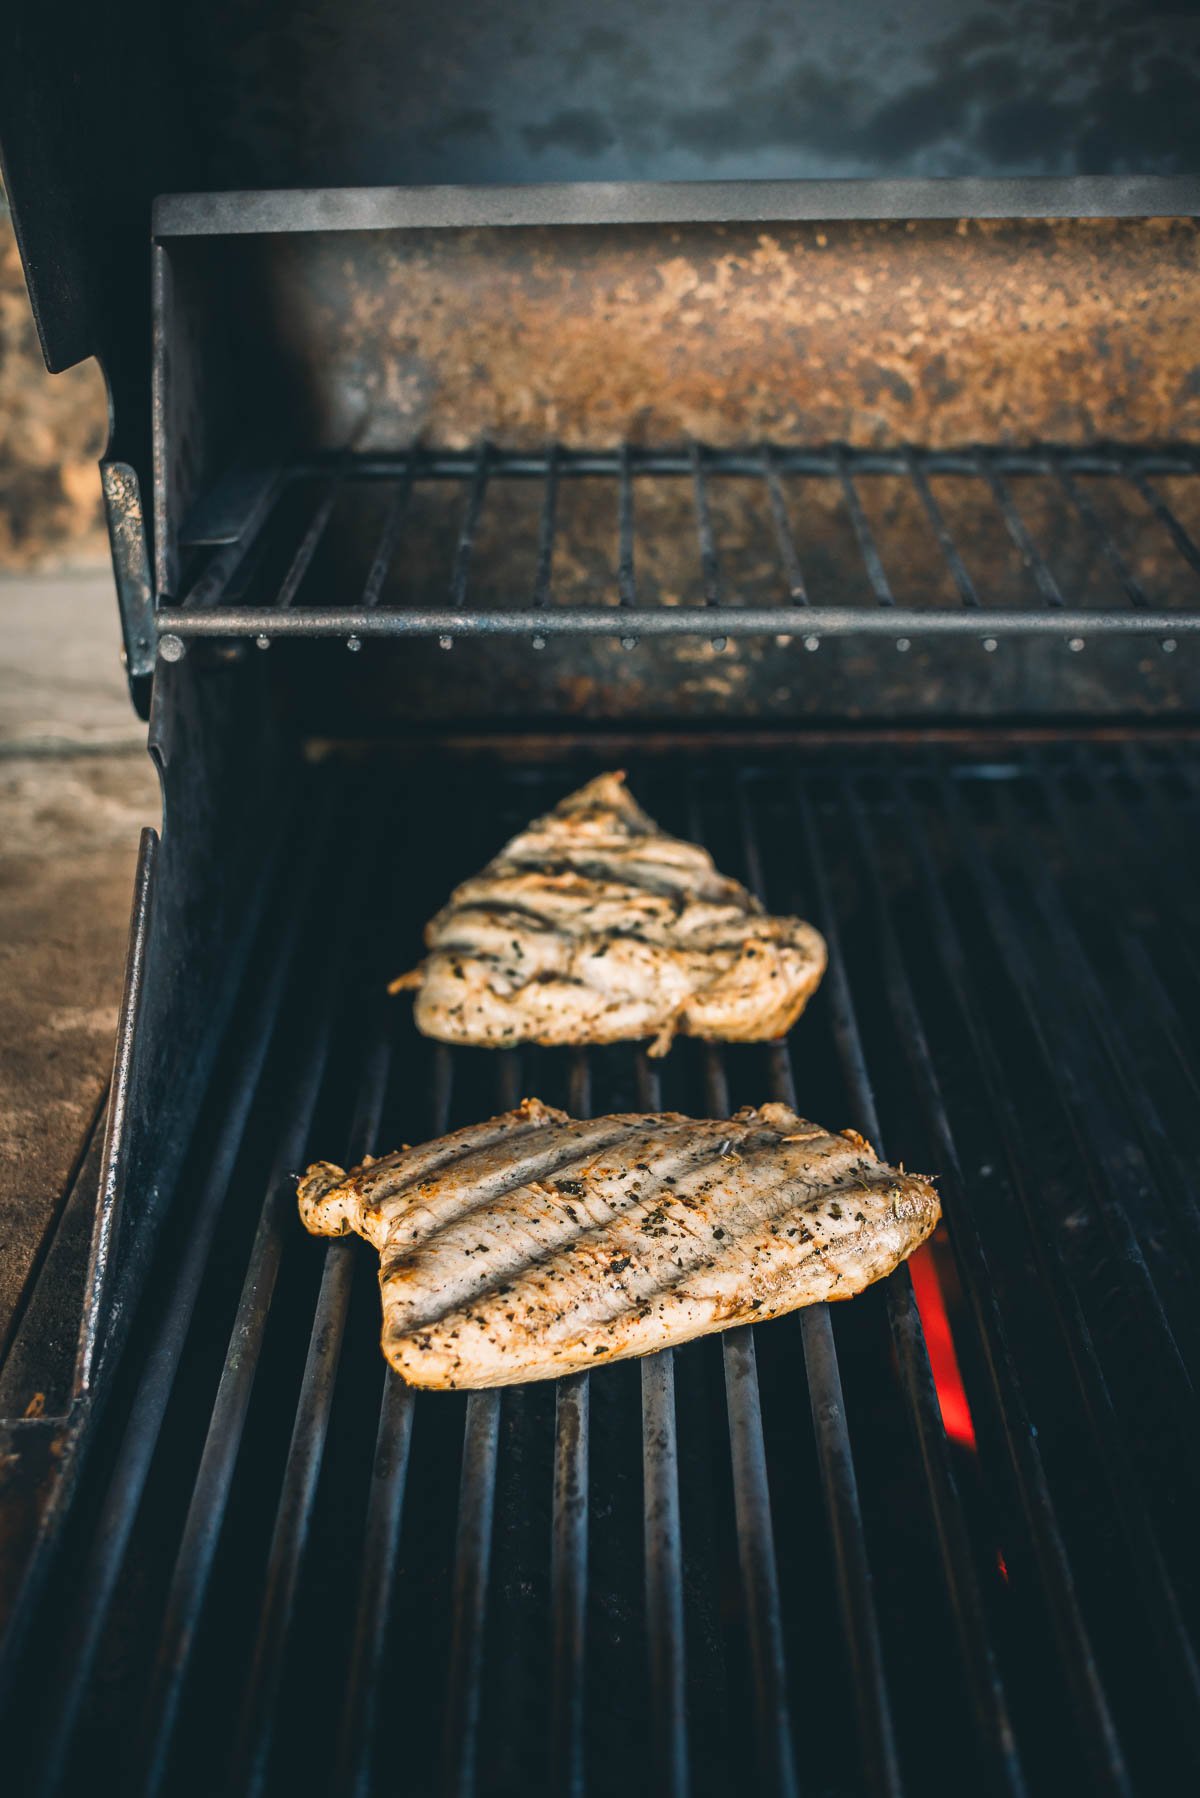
(759, 1558)
(794, 376)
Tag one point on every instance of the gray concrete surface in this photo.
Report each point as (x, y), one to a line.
(75, 789)
(62, 686)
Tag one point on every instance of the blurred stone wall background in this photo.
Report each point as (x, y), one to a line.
(52, 431)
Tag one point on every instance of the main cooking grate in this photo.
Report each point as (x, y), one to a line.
(760, 1556)
(634, 543)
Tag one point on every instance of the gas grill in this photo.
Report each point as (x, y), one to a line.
(859, 521)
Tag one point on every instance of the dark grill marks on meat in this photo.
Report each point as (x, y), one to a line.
(612, 1237)
(594, 926)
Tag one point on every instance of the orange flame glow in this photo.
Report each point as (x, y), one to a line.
(943, 1359)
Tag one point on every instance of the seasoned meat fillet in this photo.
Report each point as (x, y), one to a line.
(593, 926)
(537, 1244)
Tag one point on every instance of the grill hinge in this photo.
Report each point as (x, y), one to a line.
(131, 566)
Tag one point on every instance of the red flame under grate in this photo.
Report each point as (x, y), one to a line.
(943, 1358)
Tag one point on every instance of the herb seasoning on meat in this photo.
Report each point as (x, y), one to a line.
(594, 926)
(490, 1276)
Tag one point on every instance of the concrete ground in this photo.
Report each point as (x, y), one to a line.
(76, 787)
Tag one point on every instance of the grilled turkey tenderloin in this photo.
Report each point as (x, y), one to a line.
(593, 926)
(537, 1244)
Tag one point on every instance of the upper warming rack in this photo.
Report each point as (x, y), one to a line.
(632, 543)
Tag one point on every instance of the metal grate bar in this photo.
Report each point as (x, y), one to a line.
(472, 1565)
(1089, 1123)
(1171, 1177)
(756, 1534)
(1158, 814)
(305, 1453)
(1146, 979)
(98, 1579)
(1020, 1436)
(876, 573)
(1154, 1581)
(389, 1475)
(1182, 539)
(783, 531)
(381, 1536)
(835, 1458)
(663, 1540)
(1151, 771)
(756, 1552)
(1179, 1660)
(673, 621)
(1092, 1598)
(569, 1545)
(709, 565)
(1155, 1164)
(547, 525)
(214, 1476)
(460, 574)
(840, 1487)
(1097, 1730)
(1129, 824)
(937, 519)
(1166, 1017)
(473, 1552)
(389, 538)
(751, 1493)
(626, 584)
(568, 1579)
(456, 465)
(1112, 555)
(307, 548)
(220, 570)
(664, 1573)
(244, 580)
(982, 1675)
(1030, 555)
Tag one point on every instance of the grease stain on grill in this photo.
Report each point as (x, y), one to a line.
(872, 333)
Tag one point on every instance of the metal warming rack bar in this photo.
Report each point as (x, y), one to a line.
(303, 1501)
(784, 480)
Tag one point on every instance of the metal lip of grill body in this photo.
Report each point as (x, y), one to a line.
(672, 202)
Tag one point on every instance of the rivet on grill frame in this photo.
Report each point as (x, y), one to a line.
(628, 642)
(172, 648)
(991, 645)
(1075, 644)
(262, 642)
(354, 644)
(445, 642)
(1169, 646)
(720, 643)
(539, 642)
(903, 644)
(812, 643)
